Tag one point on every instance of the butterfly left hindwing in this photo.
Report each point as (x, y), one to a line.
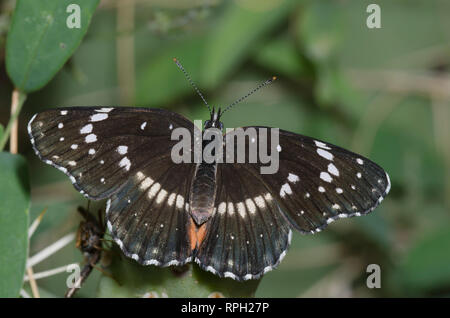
(247, 235)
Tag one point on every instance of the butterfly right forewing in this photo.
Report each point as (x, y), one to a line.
(99, 148)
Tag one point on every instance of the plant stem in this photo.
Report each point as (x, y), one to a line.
(34, 288)
(17, 100)
(125, 51)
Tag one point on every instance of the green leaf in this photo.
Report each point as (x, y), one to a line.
(2, 131)
(242, 24)
(427, 263)
(40, 41)
(14, 206)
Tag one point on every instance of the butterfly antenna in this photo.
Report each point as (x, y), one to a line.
(191, 82)
(270, 80)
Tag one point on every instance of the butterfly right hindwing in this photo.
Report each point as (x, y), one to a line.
(149, 216)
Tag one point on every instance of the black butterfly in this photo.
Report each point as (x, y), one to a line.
(229, 218)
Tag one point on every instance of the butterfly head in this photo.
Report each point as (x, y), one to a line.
(214, 121)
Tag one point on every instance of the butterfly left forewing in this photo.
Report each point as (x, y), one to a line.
(317, 182)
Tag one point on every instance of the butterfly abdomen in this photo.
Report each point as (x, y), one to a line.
(203, 192)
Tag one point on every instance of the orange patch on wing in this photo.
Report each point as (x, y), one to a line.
(201, 233)
(192, 235)
(196, 234)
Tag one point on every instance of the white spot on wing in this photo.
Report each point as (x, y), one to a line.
(60, 125)
(74, 146)
(388, 187)
(222, 208)
(241, 209)
(140, 176)
(293, 178)
(143, 125)
(146, 183)
(325, 154)
(91, 151)
(180, 201)
(104, 110)
(321, 189)
(230, 208)
(359, 161)
(250, 206)
(91, 138)
(125, 163)
(29, 125)
(161, 196)
(64, 112)
(122, 150)
(321, 145)
(153, 190)
(171, 199)
(325, 176)
(285, 188)
(86, 129)
(99, 117)
(333, 170)
(260, 202)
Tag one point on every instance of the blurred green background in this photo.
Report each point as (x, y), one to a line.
(383, 93)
